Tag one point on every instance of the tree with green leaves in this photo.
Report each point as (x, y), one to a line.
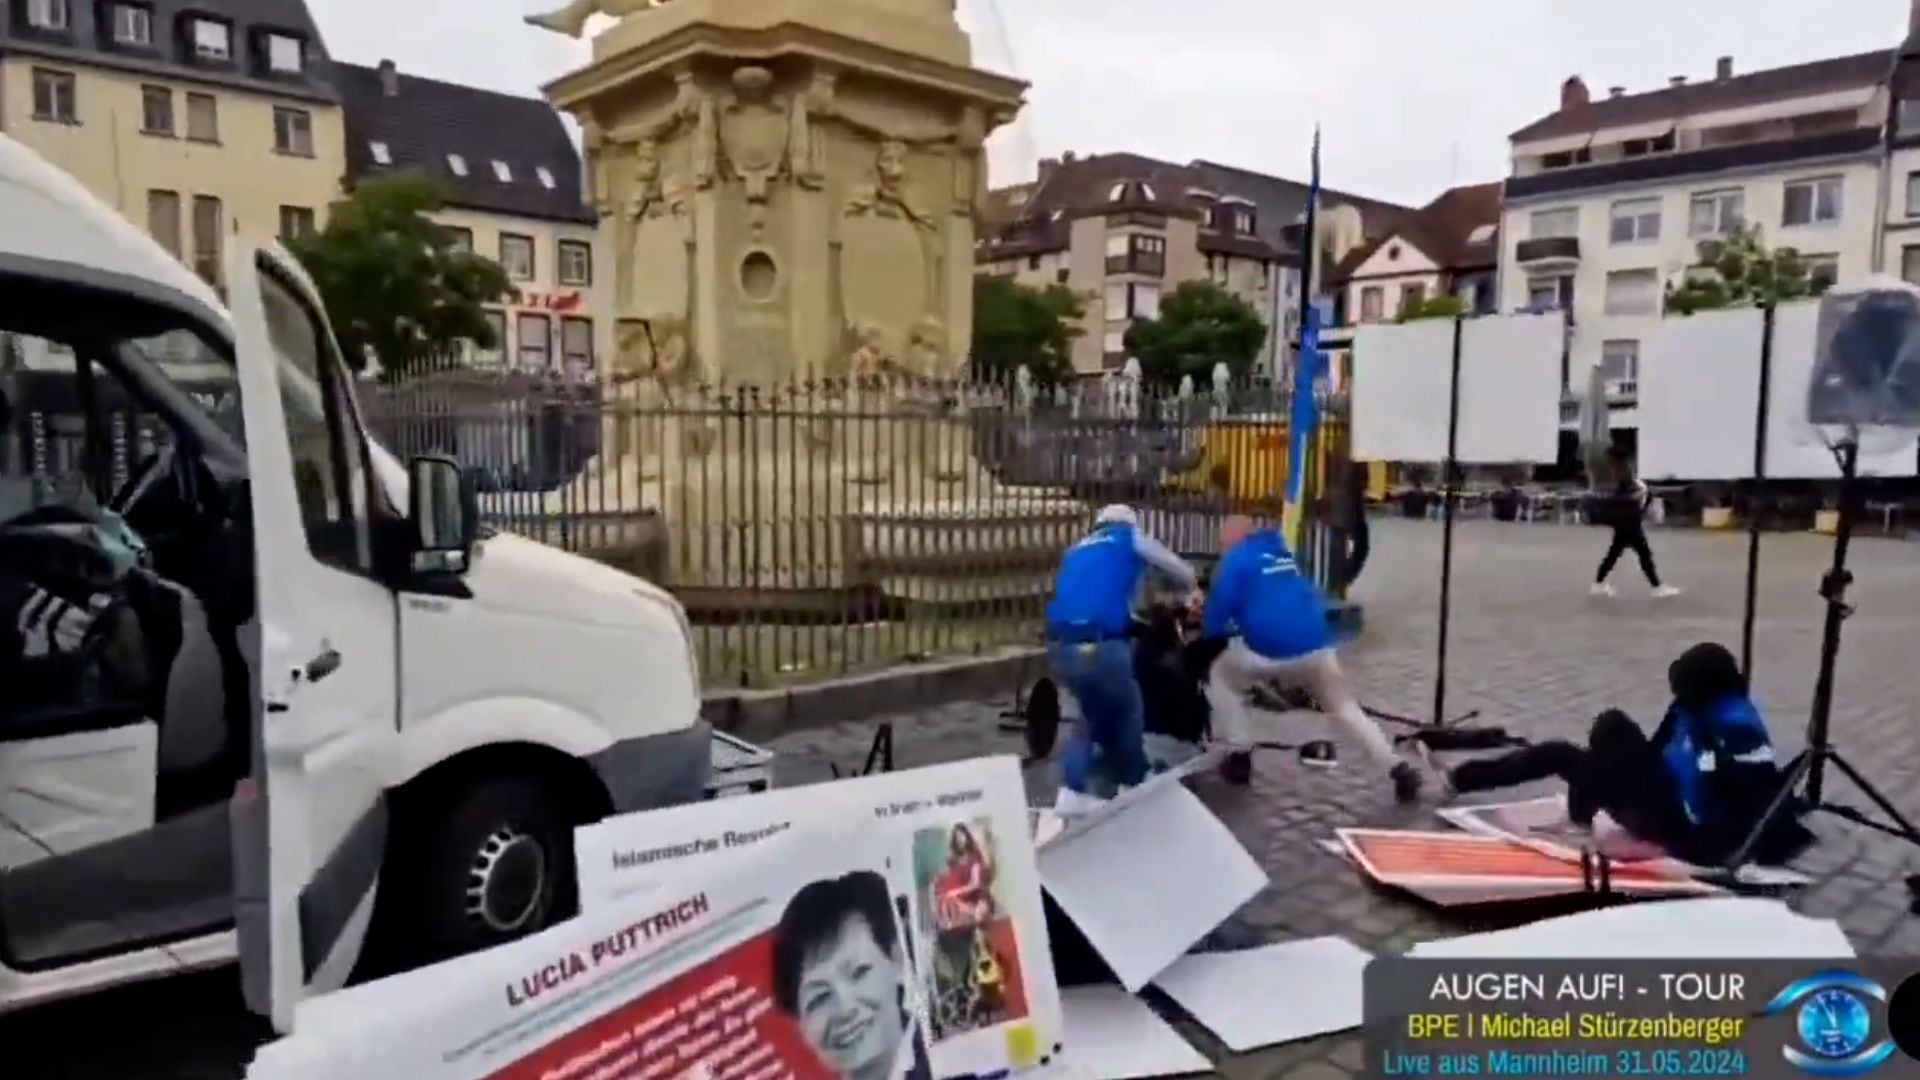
(1015, 325)
(1739, 270)
(1434, 307)
(395, 284)
(1200, 324)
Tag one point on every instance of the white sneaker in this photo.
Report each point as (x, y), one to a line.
(1601, 588)
(1666, 591)
(1070, 803)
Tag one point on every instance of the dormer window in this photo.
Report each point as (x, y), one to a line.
(286, 54)
(1117, 192)
(546, 177)
(501, 172)
(1146, 192)
(212, 40)
(132, 25)
(49, 14)
(1243, 221)
(458, 164)
(381, 155)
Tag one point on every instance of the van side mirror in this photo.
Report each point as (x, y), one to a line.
(445, 514)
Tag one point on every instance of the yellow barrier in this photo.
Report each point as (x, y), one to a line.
(1246, 460)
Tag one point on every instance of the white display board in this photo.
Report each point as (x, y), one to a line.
(1699, 388)
(1112, 1035)
(1698, 394)
(1509, 390)
(1742, 928)
(1400, 390)
(1273, 994)
(1794, 450)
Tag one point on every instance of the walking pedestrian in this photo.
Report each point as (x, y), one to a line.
(1278, 625)
(1090, 627)
(1629, 511)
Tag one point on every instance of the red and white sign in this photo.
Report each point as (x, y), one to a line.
(552, 301)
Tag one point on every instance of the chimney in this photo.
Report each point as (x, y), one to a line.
(1677, 80)
(1723, 68)
(1048, 166)
(389, 79)
(1573, 94)
(1616, 91)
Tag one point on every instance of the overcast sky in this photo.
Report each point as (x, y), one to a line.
(1413, 95)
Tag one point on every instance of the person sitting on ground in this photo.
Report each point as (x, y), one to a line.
(1694, 790)
(1277, 623)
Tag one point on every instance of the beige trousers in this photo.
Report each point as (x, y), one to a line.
(1240, 669)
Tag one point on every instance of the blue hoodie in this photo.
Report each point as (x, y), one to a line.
(1259, 592)
(1093, 594)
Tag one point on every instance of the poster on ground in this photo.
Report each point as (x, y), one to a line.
(801, 964)
(972, 911)
(1451, 869)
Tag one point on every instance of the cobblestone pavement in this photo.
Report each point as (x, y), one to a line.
(1529, 649)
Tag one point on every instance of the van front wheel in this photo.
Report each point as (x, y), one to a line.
(498, 866)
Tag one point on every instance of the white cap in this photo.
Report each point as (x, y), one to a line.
(1117, 514)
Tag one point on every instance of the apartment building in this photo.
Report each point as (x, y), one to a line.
(198, 118)
(511, 178)
(1122, 229)
(1610, 197)
(1447, 248)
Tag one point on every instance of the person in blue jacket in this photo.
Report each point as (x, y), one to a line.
(1090, 628)
(1277, 622)
(1695, 788)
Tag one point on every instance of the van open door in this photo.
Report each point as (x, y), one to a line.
(310, 826)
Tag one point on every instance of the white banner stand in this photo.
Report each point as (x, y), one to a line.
(1147, 879)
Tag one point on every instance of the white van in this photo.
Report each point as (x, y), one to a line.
(268, 687)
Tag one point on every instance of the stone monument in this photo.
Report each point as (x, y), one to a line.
(789, 190)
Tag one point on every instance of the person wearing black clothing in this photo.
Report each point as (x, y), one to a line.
(1628, 510)
(1695, 788)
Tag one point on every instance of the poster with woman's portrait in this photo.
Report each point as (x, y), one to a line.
(972, 976)
(968, 903)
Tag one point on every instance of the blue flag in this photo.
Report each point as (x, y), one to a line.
(1305, 417)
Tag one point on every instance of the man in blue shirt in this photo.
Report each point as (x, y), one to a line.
(1089, 631)
(1278, 625)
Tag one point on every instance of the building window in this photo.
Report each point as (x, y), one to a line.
(1116, 300)
(501, 172)
(1620, 366)
(1635, 221)
(1115, 343)
(1143, 301)
(496, 353)
(516, 256)
(381, 155)
(1060, 276)
(212, 40)
(286, 55)
(1243, 221)
(1412, 296)
(49, 14)
(156, 110)
(458, 164)
(207, 233)
(296, 222)
(576, 262)
(1566, 158)
(53, 96)
(1716, 213)
(163, 219)
(1910, 264)
(1633, 292)
(576, 347)
(1812, 202)
(1549, 224)
(1913, 194)
(1373, 303)
(132, 25)
(292, 131)
(203, 118)
(1550, 293)
(1823, 271)
(531, 336)
(459, 239)
(545, 176)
